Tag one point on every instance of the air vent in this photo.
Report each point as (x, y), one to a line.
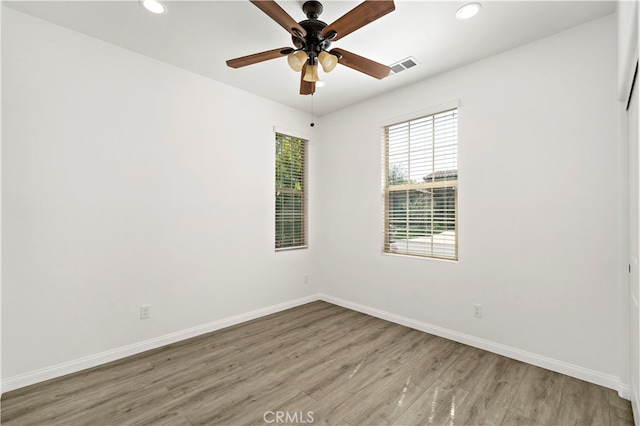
(404, 64)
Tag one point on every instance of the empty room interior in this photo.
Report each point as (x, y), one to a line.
(337, 212)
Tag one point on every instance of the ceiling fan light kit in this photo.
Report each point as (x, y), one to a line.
(328, 61)
(311, 74)
(297, 60)
(312, 39)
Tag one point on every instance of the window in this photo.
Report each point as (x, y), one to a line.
(291, 212)
(421, 186)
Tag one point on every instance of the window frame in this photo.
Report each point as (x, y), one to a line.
(303, 192)
(412, 116)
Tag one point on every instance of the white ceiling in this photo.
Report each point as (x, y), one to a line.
(200, 36)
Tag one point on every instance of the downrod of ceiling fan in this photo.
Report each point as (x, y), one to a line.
(312, 9)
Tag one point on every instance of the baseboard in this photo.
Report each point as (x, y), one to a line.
(581, 373)
(74, 366)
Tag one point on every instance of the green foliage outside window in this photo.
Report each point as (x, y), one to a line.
(290, 192)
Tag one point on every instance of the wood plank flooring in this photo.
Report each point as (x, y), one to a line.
(316, 364)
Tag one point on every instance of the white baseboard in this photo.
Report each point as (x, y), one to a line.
(581, 373)
(74, 366)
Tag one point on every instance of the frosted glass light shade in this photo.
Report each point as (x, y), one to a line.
(312, 74)
(297, 59)
(327, 61)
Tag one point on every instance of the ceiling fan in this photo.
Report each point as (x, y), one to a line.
(312, 39)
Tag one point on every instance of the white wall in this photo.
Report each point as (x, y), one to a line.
(1, 19)
(627, 20)
(539, 206)
(627, 17)
(127, 182)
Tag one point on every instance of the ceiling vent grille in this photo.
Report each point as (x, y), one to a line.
(404, 64)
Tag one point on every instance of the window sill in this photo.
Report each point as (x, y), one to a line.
(292, 248)
(408, 256)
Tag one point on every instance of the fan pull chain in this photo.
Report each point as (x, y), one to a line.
(312, 123)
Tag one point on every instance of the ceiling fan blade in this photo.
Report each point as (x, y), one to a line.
(358, 17)
(306, 87)
(243, 61)
(362, 64)
(278, 14)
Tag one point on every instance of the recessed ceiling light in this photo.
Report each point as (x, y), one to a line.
(468, 10)
(153, 6)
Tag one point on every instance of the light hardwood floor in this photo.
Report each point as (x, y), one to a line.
(316, 364)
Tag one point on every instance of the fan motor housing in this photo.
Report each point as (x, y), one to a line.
(313, 43)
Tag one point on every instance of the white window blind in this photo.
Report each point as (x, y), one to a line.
(421, 186)
(290, 188)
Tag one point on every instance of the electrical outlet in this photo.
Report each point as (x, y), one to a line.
(306, 279)
(145, 311)
(477, 310)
